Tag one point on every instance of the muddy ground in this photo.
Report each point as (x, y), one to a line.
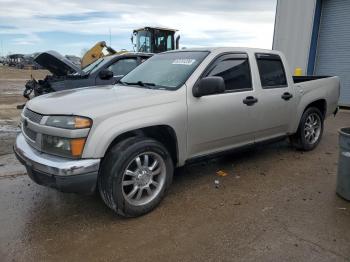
(275, 204)
(12, 82)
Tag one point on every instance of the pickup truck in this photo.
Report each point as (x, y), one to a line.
(125, 140)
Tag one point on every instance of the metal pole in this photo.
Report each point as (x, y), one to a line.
(110, 37)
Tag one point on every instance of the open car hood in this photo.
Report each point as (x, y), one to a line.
(57, 64)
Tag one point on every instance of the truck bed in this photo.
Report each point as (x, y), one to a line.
(299, 79)
(315, 88)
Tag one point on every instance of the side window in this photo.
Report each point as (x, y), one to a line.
(234, 71)
(123, 66)
(169, 43)
(161, 43)
(272, 74)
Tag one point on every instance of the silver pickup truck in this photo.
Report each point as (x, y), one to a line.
(124, 140)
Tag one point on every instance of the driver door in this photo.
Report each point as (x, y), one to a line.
(223, 121)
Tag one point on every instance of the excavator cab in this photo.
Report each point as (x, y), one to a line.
(154, 40)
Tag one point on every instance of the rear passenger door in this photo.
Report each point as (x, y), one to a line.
(222, 121)
(276, 100)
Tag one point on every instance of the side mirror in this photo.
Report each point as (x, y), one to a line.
(105, 74)
(209, 86)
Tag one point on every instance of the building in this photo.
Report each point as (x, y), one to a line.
(315, 36)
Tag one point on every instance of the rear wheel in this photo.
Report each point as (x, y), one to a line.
(310, 130)
(135, 176)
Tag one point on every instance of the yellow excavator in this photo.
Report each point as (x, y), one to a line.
(154, 39)
(144, 40)
(99, 50)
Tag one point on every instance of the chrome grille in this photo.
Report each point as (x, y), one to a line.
(32, 116)
(29, 133)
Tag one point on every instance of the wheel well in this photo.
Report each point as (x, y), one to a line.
(321, 104)
(162, 133)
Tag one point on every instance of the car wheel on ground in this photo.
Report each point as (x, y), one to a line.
(310, 130)
(135, 176)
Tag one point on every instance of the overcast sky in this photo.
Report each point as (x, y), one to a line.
(69, 26)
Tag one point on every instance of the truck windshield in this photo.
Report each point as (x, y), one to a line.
(167, 71)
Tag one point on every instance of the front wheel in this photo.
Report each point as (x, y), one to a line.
(135, 176)
(310, 130)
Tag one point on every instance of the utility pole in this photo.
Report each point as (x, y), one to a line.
(110, 37)
(2, 48)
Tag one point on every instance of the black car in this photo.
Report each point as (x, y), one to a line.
(66, 75)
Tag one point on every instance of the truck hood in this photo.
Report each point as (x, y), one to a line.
(97, 101)
(57, 64)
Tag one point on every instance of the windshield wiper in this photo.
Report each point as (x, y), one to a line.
(139, 83)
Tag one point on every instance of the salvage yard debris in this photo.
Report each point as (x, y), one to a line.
(221, 173)
(216, 183)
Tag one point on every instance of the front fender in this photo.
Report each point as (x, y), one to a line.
(105, 132)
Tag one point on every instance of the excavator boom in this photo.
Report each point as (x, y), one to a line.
(99, 50)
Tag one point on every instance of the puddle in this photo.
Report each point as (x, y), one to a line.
(11, 93)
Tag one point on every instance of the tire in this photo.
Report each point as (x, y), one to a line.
(117, 185)
(302, 140)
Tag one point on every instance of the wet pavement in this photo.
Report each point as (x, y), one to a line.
(275, 204)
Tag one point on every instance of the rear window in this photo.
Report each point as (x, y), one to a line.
(271, 70)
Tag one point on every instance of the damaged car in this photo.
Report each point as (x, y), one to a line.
(66, 75)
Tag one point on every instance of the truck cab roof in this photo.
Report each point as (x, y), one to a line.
(227, 49)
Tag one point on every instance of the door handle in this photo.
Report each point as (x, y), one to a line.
(250, 100)
(286, 96)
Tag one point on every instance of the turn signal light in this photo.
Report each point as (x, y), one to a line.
(77, 146)
(82, 122)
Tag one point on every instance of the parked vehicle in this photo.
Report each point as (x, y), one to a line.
(176, 107)
(21, 61)
(66, 75)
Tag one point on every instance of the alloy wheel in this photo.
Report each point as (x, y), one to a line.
(312, 128)
(143, 178)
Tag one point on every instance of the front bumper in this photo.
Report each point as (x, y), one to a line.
(66, 175)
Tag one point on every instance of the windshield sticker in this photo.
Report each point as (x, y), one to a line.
(184, 61)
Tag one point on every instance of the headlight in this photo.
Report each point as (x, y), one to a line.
(66, 147)
(69, 122)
